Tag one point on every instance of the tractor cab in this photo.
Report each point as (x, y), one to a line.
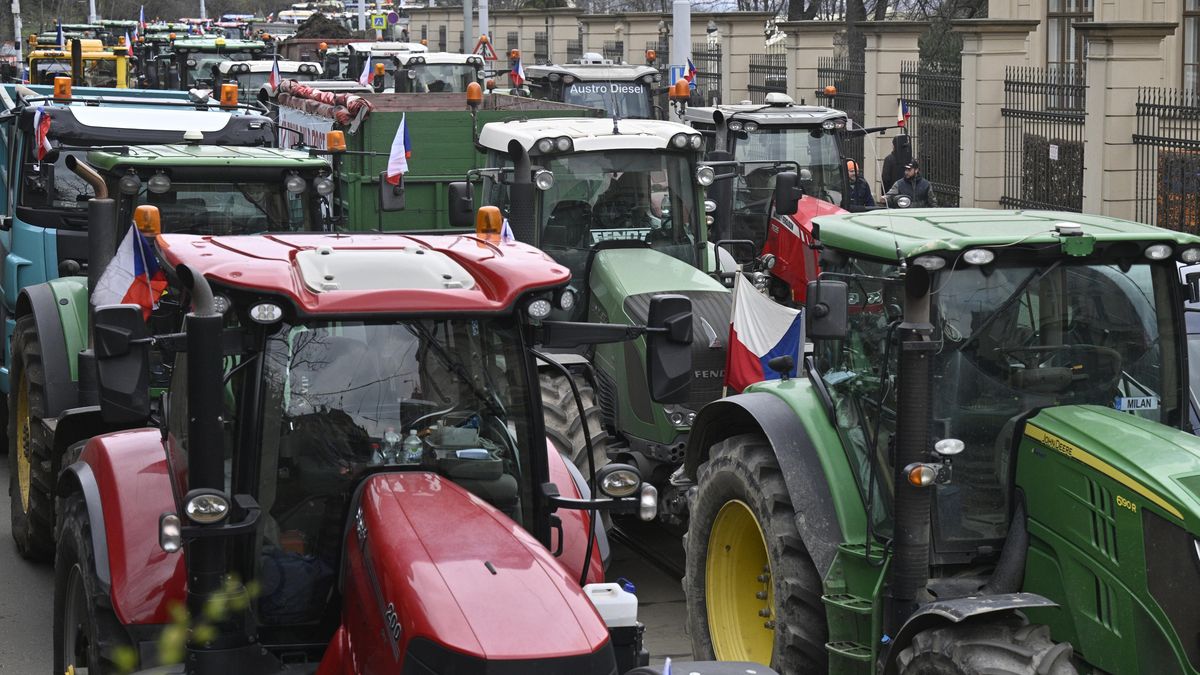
(444, 72)
(193, 60)
(752, 144)
(350, 459)
(991, 424)
(621, 205)
(115, 30)
(360, 54)
(619, 89)
(98, 66)
(250, 76)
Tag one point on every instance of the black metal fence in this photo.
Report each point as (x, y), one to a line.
(1043, 138)
(708, 75)
(848, 77)
(512, 41)
(933, 93)
(574, 50)
(615, 50)
(768, 73)
(441, 38)
(1168, 158)
(541, 48)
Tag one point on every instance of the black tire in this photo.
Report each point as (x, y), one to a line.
(744, 468)
(564, 425)
(989, 644)
(30, 458)
(87, 633)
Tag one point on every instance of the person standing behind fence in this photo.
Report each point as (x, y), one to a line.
(893, 164)
(860, 190)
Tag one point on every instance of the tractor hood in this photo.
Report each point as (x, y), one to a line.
(634, 271)
(1157, 466)
(463, 576)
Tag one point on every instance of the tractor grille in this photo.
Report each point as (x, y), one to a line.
(710, 338)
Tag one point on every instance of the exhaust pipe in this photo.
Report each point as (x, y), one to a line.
(102, 220)
(910, 561)
(521, 193)
(77, 61)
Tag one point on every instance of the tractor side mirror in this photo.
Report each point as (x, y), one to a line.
(122, 349)
(669, 351)
(462, 205)
(391, 197)
(787, 192)
(826, 310)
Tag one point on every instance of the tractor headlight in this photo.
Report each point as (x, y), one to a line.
(563, 144)
(735, 126)
(979, 256)
(159, 183)
(679, 141)
(543, 179)
(170, 533)
(206, 507)
(618, 482)
(705, 175)
(566, 299)
(696, 141)
(827, 125)
(539, 309)
(751, 126)
(545, 145)
(266, 313)
(191, 63)
(323, 185)
(295, 184)
(130, 184)
(930, 262)
(1190, 255)
(221, 304)
(1158, 252)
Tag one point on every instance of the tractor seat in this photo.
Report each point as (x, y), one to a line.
(568, 225)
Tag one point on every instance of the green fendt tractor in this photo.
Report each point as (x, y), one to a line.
(982, 468)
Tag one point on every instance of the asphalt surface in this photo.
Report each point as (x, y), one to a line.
(26, 601)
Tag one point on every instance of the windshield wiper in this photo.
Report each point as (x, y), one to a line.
(488, 397)
(1035, 275)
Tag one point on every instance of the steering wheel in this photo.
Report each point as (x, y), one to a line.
(1099, 367)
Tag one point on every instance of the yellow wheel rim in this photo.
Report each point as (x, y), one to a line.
(22, 448)
(738, 588)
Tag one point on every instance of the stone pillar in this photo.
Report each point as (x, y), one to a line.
(888, 43)
(807, 43)
(742, 36)
(989, 46)
(1122, 56)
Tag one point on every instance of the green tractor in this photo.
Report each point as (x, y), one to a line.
(982, 468)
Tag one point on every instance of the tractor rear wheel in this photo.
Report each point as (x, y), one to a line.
(564, 424)
(31, 469)
(994, 645)
(753, 593)
(87, 633)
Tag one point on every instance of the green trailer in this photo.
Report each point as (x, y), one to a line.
(443, 144)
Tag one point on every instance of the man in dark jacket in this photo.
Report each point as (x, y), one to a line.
(860, 191)
(912, 186)
(893, 164)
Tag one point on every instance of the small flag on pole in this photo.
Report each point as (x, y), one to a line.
(142, 17)
(691, 72)
(133, 276)
(506, 233)
(41, 132)
(517, 74)
(397, 164)
(365, 77)
(902, 113)
(276, 77)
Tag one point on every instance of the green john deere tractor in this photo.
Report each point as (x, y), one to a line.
(982, 468)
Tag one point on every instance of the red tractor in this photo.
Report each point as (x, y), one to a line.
(348, 472)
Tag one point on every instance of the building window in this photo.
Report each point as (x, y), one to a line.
(1191, 44)
(1065, 47)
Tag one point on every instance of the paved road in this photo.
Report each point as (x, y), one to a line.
(26, 601)
(27, 596)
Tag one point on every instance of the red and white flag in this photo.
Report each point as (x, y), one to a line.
(760, 330)
(517, 74)
(275, 78)
(397, 164)
(365, 77)
(41, 132)
(902, 113)
(133, 277)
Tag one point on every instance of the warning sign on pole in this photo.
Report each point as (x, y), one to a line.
(484, 48)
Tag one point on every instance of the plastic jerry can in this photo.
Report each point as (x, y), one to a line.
(617, 606)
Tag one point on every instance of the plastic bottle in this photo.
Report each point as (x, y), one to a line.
(392, 452)
(413, 448)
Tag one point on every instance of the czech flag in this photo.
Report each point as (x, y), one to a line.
(517, 74)
(365, 77)
(397, 164)
(133, 277)
(902, 113)
(760, 330)
(41, 132)
(142, 17)
(691, 72)
(275, 77)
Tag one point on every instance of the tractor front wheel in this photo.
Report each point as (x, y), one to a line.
(988, 644)
(753, 593)
(88, 637)
(31, 470)
(566, 427)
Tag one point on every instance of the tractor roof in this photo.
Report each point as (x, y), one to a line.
(264, 66)
(910, 232)
(586, 134)
(386, 48)
(593, 72)
(217, 45)
(153, 156)
(765, 115)
(445, 58)
(79, 124)
(325, 274)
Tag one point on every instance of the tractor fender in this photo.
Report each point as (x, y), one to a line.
(758, 412)
(945, 612)
(124, 478)
(57, 307)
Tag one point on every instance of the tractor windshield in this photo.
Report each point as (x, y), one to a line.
(633, 195)
(622, 99)
(250, 83)
(440, 77)
(343, 399)
(229, 208)
(815, 151)
(1010, 339)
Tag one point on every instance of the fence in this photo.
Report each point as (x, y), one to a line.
(768, 73)
(1168, 158)
(933, 92)
(541, 48)
(615, 50)
(441, 38)
(1043, 138)
(512, 41)
(708, 75)
(574, 50)
(848, 76)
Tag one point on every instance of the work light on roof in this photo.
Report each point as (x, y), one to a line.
(295, 184)
(323, 185)
(750, 126)
(735, 126)
(1190, 256)
(679, 141)
(130, 184)
(266, 313)
(159, 183)
(978, 256)
(1158, 252)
